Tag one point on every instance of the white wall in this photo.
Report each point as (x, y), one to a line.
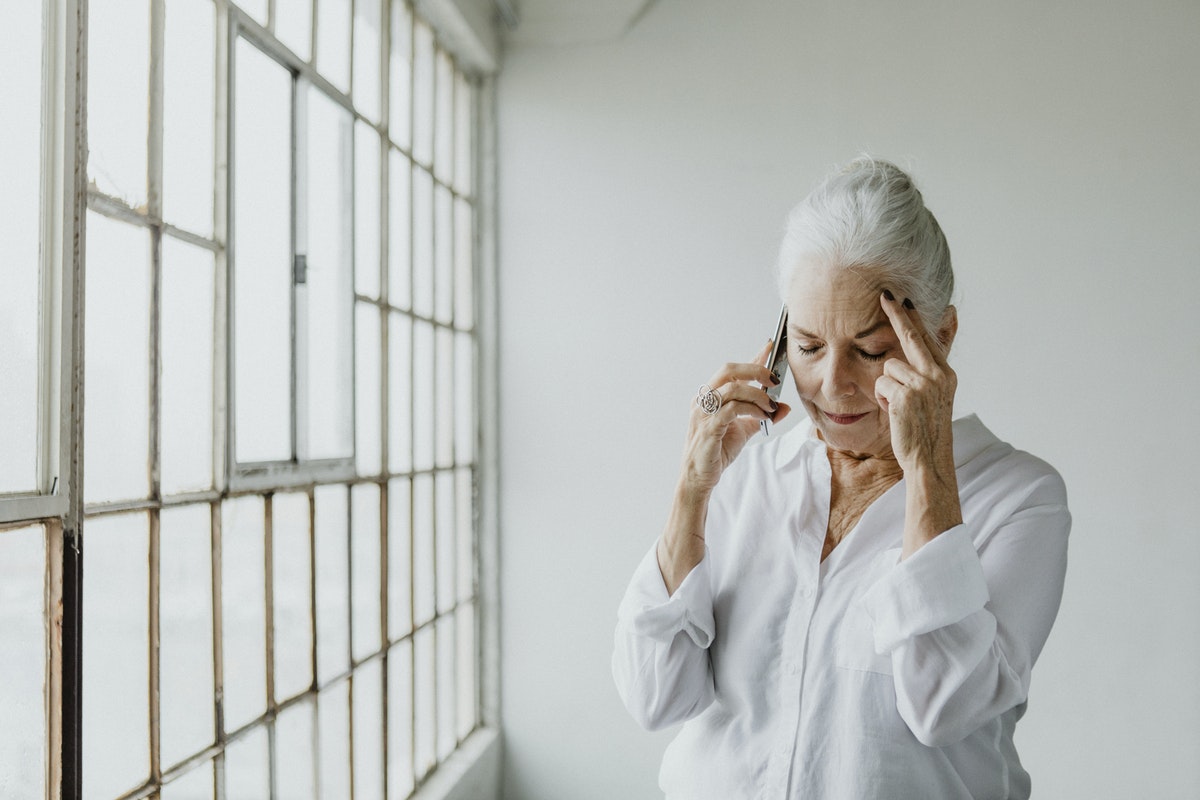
(643, 184)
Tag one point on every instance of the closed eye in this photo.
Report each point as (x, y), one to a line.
(867, 356)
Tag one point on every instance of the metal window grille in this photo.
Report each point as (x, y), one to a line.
(297, 616)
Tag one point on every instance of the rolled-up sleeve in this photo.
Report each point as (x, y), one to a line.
(939, 585)
(963, 626)
(660, 657)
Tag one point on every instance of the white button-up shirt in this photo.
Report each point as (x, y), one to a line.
(862, 676)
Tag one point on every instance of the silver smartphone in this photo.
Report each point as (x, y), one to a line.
(777, 363)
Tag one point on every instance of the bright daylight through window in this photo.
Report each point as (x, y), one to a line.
(280, 433)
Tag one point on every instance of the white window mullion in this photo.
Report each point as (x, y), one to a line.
(223, 451)
(300, 116)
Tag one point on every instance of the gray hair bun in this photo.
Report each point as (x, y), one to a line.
(869, 216)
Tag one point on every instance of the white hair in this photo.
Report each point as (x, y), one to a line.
(870, 217)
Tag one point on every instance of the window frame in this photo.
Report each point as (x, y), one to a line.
(57, 268)
(58, 505)
(249, 476)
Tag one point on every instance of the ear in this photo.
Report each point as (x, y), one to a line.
(948, 328)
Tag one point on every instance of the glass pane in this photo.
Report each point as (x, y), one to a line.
(255, 8)
(465, 703)
(333, 582)
(422, 253)
(443, 250)
(293, 25)
(185, 632)
(464, 398)
(117, 372)
(366, 210)
(20, 142)
(424, 705)
(116, 643)
(447, 668)
(333, 740)
(400, 84)
(290, 550)
(446, 541)
(243, 610)
(399, 230)
(367, 24)
(328, 293)
(423, 378)
(423, 549)
(444, 394)
(333, 42)
(464, 133)
(188, 113)
(464, 264)
(400, 721)
(261, 249)
(368, 731)
(118, 66)
(422, 92)
(368, 448)
(247, 769)
(23, 621)
(195, 785)
(443, 123)
(19, 365)
(295, 761)
(186, 437)
(464, 533)
(399, 393)
(365, 577)
(399, 557)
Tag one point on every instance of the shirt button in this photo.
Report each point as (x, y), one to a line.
(791, 668)
(808, 591)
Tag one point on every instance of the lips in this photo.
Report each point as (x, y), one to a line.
(844, 419)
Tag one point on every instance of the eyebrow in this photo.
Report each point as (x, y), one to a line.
(883, 323)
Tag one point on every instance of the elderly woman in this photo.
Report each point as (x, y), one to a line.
(851, 609)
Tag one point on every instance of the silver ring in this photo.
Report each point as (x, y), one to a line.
(709, 399)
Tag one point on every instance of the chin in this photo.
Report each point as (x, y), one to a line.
(864, 436)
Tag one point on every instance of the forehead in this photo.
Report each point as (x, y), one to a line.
(832, 301)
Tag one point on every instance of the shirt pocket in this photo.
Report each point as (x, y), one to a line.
(856, 637)
(856, 644)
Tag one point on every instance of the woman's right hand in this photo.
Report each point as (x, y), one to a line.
(714, 440)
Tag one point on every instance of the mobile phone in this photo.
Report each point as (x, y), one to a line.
(777, 363)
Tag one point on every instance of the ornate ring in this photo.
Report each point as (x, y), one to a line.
(709, 399)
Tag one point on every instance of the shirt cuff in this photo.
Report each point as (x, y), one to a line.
(651, 613)
(939, 585)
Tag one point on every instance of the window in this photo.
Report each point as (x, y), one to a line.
(280, 435)
(37, 168)
(31, 275)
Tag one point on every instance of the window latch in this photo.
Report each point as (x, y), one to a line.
(300, 269)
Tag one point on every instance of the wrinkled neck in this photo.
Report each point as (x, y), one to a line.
(863, 472)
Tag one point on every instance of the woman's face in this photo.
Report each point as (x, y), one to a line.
(838, 341)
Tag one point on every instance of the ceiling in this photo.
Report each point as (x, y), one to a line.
(566, 22)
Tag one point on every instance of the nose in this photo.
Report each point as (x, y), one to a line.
(839, 379)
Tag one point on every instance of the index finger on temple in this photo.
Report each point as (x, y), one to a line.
(914, 339)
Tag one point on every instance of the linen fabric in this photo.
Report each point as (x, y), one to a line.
(862, 676)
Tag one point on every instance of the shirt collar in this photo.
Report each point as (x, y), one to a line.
(971, 437)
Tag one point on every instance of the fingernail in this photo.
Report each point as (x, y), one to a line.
(888, 294)
(774, 379)
(774, 406)
(908, 304)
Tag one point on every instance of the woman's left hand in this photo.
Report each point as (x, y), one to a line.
(917, 393)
